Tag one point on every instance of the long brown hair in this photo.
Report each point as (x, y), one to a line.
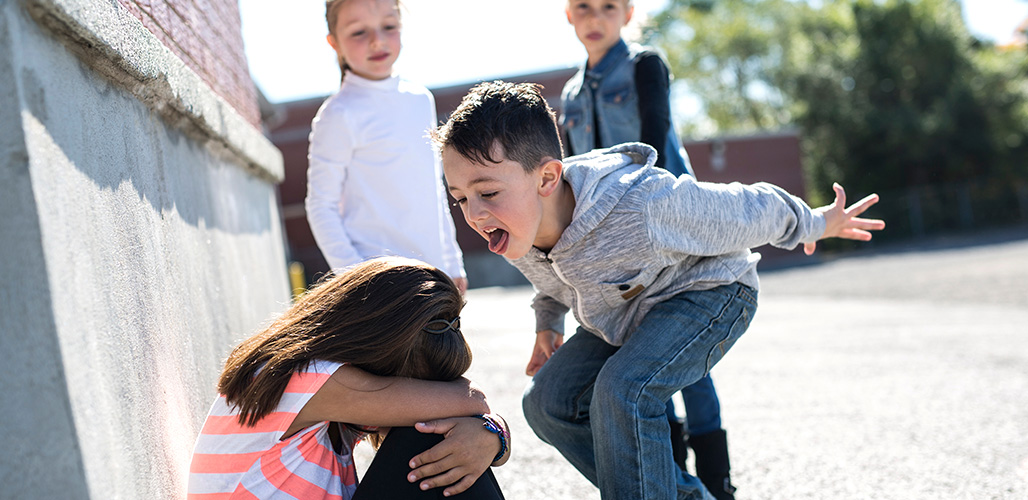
(373, 316)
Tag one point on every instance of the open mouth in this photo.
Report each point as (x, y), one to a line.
(498, 240)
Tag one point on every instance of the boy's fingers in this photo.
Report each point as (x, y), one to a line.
(869, 224)
(862, 205)
(533, 367)
(840, 194)
(856, 234)
(538, 359)
(808, 248)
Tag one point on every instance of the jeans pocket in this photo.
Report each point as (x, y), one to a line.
(748, 294)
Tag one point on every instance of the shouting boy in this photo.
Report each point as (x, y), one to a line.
(656, 268)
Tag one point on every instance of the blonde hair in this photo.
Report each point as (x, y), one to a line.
(331, 14)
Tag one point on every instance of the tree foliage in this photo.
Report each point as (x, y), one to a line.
(887, 94)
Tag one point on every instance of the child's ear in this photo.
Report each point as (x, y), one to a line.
(567, 12)
(551, 174)
(628, 13)
(331, 41)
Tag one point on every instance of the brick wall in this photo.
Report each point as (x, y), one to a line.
(206, 36)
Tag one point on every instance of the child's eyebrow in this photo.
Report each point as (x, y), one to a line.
(472, 182)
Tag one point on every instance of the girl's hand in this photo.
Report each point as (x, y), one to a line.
(546, 343)
(842, 222)
(462, 285)
(466, 452)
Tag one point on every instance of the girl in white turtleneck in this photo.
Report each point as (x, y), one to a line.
(374, 182)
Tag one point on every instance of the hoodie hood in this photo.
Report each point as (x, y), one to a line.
(599, 179)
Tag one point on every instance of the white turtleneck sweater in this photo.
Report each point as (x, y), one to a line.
(374, 181)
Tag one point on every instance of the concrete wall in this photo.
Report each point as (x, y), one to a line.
(140, 238)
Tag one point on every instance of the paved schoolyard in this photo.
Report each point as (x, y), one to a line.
(894, 373)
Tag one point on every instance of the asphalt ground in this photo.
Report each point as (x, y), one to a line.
(891, 373)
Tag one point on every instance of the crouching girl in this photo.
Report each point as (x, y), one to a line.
(368, 353)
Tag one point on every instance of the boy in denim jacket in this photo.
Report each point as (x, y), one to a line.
(656, 268)
(622, 94)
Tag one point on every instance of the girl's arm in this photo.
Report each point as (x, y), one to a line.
(355, 396)
(453, 258)
(331, 151)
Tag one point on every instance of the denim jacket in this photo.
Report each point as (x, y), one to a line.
(612, 81)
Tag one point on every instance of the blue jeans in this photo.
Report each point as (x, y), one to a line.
(602, 406)
(702, 408)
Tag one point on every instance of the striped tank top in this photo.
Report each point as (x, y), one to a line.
(233, 461)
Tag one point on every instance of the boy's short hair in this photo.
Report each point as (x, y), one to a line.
(512, 116)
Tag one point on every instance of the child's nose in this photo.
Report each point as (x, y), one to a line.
(377, 38)
(476, 212)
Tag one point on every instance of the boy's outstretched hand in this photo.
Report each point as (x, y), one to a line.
(842, 222)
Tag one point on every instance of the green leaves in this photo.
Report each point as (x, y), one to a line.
(888, 94)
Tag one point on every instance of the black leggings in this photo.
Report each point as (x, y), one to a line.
(386, 478)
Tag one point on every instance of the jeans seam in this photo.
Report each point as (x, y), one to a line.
(577, 413)
(720, 316)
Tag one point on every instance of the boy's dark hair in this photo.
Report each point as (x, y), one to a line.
(513, 116)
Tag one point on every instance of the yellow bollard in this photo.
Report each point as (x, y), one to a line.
(297, 279)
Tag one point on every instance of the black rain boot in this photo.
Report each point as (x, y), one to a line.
(712, 466)
(679, 442)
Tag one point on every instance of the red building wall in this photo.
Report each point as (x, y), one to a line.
(773, 158)
(206, 36)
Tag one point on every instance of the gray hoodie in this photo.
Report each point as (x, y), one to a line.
(639, 236)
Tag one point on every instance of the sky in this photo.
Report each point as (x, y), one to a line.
(290, 59)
